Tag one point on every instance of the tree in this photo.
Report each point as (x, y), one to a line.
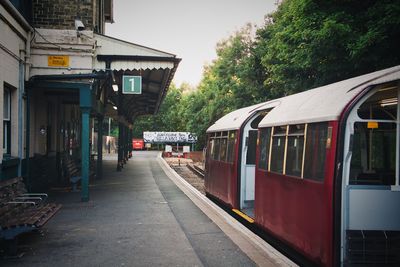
(308, 43)
(304, 44)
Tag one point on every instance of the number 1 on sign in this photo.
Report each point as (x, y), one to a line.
(132, 84)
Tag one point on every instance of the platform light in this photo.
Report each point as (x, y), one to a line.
(115, 87)
(114, 107)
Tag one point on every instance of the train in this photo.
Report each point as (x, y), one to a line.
(317, 170)
(137, 144)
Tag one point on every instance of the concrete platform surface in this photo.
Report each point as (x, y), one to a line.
(137, 217)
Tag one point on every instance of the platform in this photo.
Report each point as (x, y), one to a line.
(137, 217)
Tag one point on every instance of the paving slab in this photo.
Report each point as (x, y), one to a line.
(137, 217)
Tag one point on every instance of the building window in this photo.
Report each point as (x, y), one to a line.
(7, 121)
(315, 154)
(265, 140)
(295, 148)
(278, 149)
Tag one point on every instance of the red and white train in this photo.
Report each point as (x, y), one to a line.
(318, 170)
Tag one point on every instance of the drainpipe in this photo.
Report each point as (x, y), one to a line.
(28, 137)
(21, 88)
(27, 114)
(22, 77)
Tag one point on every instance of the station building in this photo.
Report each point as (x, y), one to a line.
(60, 77)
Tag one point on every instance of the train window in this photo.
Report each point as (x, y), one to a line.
(294, 156)
(216, 148)
(212, 147)
(251, 148)
(256, 121)
(380, 106)
(231, 146)
(373, 160)
(315, 153)
(223, 148)
(278, 149)
(265, 139)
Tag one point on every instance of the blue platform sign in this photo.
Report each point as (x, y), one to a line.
(132, 85)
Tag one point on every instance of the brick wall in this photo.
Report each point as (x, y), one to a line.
(61, 14)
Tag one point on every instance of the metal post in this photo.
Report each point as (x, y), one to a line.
(85, 153)
(396, 187)
(109, 136)
(125, 147)
(128, 136)
(109, 126)
(129, 143)
(120, 146)
(100, 120)
(120, 129)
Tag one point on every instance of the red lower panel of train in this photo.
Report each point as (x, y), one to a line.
(296, 211)
(223, 182)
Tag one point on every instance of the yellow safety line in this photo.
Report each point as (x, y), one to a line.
(244, 216)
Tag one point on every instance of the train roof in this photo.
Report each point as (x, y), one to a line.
(324, 103)
(235, 119)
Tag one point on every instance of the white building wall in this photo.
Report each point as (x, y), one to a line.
(78, 47)
(12, 48)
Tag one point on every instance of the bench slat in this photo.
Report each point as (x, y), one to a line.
(20, 212)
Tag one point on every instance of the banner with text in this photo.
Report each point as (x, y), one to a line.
(169, 137)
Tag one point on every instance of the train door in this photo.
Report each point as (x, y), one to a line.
(370, 186)
(248, 165)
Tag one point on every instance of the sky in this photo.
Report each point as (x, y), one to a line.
(190, 29)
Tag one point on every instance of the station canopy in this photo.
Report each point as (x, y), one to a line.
(156, 68)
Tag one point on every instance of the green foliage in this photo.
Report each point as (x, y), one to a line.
(167, 119)
(309, 43)
(304, 44)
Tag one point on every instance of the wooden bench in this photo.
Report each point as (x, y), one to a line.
(21, 212)
(72, 171)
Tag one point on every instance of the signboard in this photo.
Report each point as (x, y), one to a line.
(132, 85)
(58, 61)
(169, 137)
(168, 148)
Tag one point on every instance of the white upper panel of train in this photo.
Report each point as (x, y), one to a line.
(235, 119)
(324, 103)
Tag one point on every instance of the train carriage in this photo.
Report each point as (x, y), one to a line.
(319, 170)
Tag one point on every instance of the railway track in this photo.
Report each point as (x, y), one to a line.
(196, 170)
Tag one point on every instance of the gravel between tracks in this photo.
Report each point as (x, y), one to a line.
(180, 166)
